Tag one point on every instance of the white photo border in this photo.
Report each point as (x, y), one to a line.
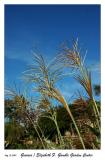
(16, 154)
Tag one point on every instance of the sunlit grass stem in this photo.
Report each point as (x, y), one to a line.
(74, 122)
(90, 94)
(53, 118)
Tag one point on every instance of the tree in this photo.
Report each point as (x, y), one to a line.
(97, 90)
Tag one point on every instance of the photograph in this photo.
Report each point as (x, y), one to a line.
(52, 76)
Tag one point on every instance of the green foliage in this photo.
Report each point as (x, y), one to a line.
(13, 132)
(97, 89)
(48, 128)
(63, 119)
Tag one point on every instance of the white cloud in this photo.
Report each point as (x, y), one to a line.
(22, 56)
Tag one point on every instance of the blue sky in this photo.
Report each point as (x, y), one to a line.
(43, 28)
